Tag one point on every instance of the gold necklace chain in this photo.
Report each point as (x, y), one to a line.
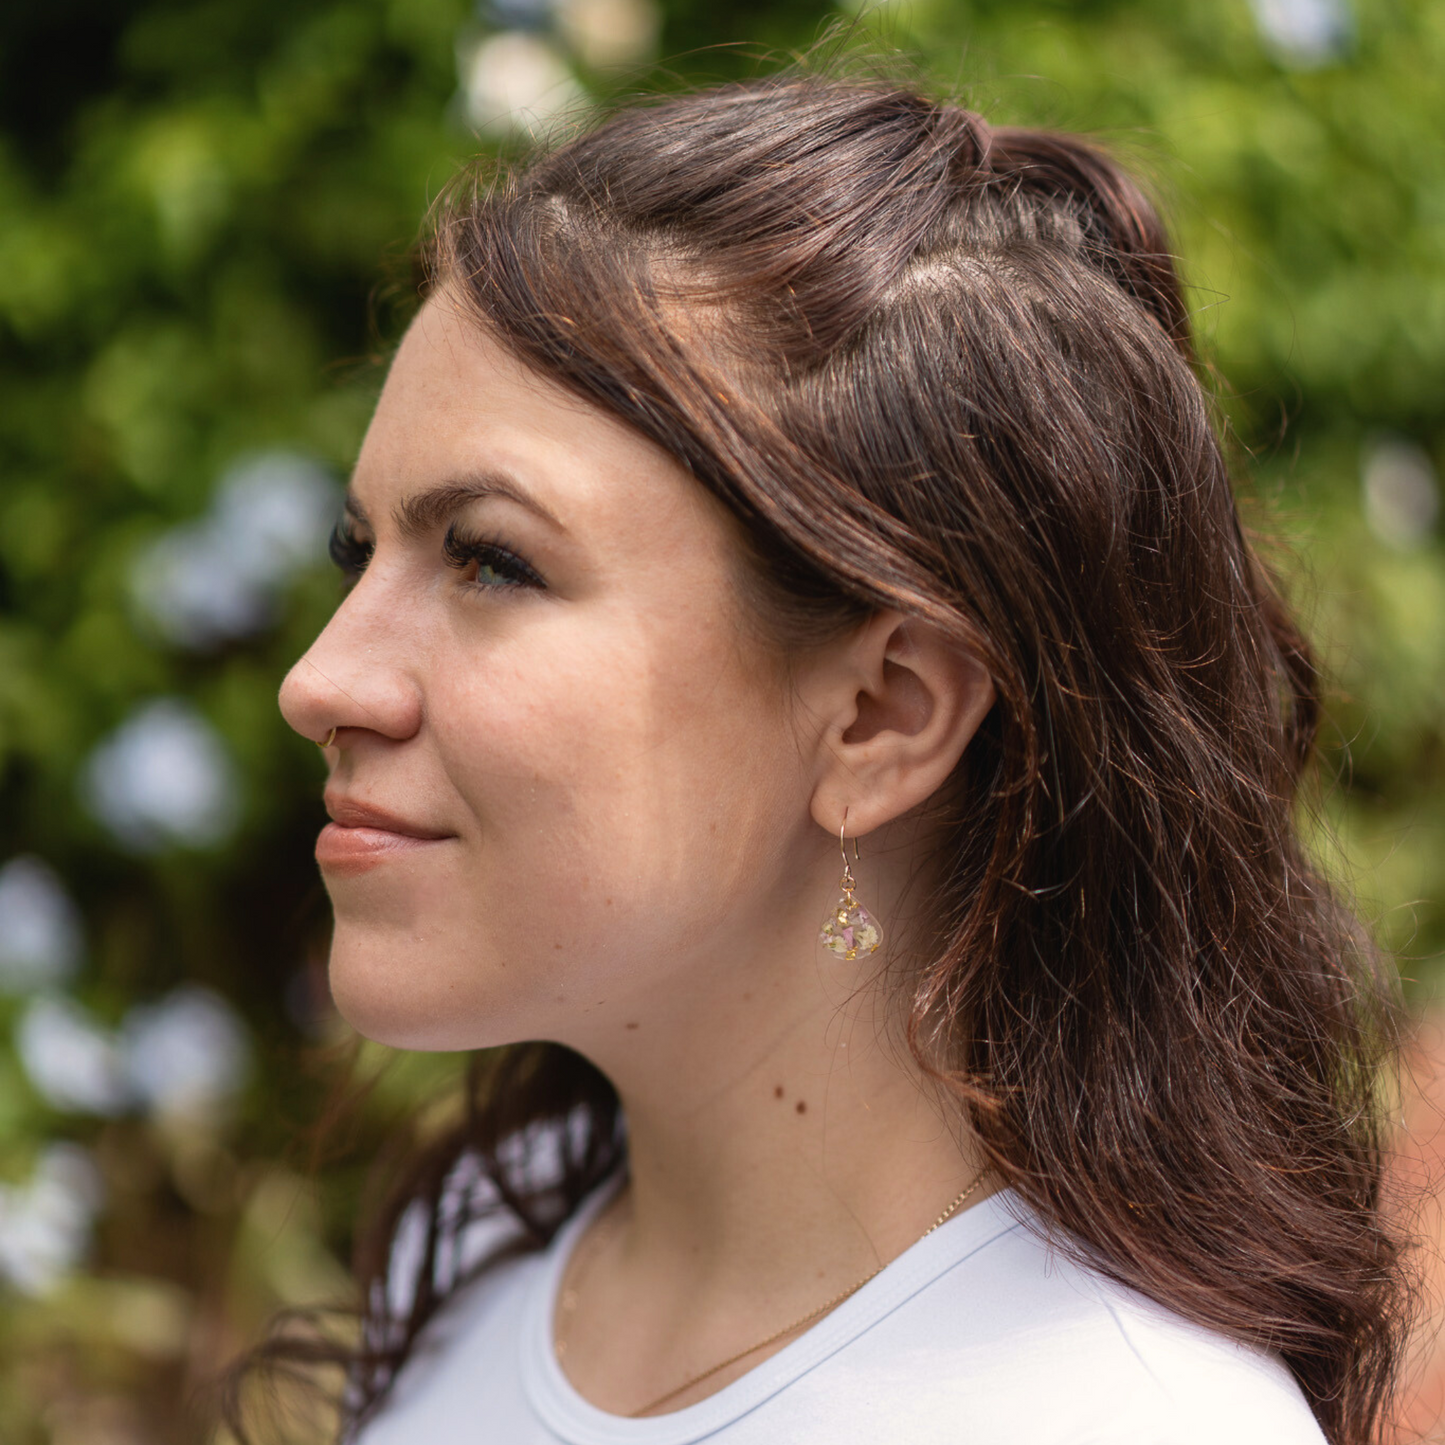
(568, 1304)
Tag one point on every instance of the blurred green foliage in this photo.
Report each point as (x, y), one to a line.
(198, 203)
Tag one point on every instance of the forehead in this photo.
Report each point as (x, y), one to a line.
(457, 405)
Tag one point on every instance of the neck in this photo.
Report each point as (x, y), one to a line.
(783, 1146)
(779, 1129)
(832, 1157)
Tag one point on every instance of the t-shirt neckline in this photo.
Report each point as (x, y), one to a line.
(579, 1422)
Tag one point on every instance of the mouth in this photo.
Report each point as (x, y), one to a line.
(361, 836)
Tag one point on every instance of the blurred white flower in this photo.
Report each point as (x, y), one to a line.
(163, 777)
(187, 584)
(217, 578)
(515, 81)
(610, 32)
(40, 934)
(1400, 493)
(1304, 33)
(73, 1062)
(45, 1224)
(274, 512)
(186, 1055)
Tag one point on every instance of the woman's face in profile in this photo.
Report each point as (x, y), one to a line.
(565, 784)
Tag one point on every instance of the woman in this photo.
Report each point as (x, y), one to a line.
(795, 465)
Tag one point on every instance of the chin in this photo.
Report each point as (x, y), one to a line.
(411, 993)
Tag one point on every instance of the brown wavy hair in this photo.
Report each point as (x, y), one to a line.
(947, 368)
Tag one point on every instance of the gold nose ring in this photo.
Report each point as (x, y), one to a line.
(329, 739)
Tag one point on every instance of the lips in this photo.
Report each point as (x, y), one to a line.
(360, 836)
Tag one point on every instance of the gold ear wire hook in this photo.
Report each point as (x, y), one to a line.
(329, 739)
(849, 882)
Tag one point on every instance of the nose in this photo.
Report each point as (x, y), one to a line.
(357, 674)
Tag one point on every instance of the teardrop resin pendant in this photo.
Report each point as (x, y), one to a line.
(850, 930)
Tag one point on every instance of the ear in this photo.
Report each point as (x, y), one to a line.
(894, 705)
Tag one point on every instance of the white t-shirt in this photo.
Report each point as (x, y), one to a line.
(980, 1334)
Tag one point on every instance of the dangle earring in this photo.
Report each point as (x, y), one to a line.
(850, 930)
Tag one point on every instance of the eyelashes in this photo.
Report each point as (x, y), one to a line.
(496, 566)
(348, 552)
(491, 565)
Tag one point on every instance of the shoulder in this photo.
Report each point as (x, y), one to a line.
(1202, 1386)
(483, 1269)
(465, 1353)
(1071, 1356)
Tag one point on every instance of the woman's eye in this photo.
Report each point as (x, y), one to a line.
(487, 564)
(348, 551)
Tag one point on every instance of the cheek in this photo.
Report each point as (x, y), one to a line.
(623, 797)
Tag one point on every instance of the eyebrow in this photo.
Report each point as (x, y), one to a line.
(423, 512)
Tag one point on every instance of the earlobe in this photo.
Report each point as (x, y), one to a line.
(905, 702)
